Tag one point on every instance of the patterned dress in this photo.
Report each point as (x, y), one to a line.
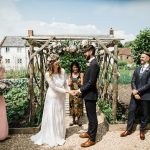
(75, 102)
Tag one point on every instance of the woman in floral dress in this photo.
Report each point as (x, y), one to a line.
(75, 102)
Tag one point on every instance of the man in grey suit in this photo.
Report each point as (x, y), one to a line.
(140, 96)
(90, 95)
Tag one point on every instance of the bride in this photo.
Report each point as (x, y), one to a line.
(53, 121)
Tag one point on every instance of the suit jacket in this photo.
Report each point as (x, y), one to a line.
(89, 89)
(142, 82)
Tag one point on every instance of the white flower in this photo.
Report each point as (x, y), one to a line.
(67, 49)
(54, 45)
(64, 49)
(72, 48)
(94, 44)
(84, 43)
(58, 44)
(59, 51)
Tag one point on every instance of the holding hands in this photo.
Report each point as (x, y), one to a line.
(74, 92)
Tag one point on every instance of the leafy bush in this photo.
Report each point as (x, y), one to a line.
(67, 58)
(121, 112)
(17, 103)
(16, 74)
(125, 76)
(141, 44)
(122, 64)
(105, 107)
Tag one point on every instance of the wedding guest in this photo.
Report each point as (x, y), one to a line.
(140, 96)
(75, 81)
(3, 115)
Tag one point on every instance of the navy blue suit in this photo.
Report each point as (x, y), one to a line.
(140, 82)
(90, 95)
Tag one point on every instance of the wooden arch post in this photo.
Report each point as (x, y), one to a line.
(115, 75)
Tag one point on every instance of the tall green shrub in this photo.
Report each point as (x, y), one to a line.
(141, 44)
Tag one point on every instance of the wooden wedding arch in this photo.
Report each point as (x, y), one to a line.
(41, 46)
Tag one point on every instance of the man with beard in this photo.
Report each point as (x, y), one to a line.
(140, 96)
(90, 95)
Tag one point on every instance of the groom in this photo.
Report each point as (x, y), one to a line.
(90, 95)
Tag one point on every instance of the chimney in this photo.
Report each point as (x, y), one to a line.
(30, 32)
(111, 32)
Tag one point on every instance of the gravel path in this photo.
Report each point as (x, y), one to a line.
(110, 141)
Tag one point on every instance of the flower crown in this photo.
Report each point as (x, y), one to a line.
(52, 57)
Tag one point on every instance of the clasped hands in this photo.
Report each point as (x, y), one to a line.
(136, 95)
(74, 92)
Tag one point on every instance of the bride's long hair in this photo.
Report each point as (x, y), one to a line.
(51, 68)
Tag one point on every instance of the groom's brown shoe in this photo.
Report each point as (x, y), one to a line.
(88, 143)
(84, 135)
(142, 135)
(125, 133)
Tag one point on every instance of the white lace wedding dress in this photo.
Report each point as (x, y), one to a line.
(53, 129)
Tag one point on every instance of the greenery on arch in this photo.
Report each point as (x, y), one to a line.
(67, 58)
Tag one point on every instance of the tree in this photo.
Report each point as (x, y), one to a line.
(120, 45)
(141, 44)
(128, 44)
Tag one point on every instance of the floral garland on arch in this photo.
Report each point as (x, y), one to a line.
(72, 46)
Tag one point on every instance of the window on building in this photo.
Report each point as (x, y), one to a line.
(7, 49)
(7, 61)
(19, 49)
(19, 61)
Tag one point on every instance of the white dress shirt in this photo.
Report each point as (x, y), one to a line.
(91, 59)
(144, 68)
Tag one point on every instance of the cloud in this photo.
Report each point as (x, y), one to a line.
(12, 23)
(8, 11)
(123, 35)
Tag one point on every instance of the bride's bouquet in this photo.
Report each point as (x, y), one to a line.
(4, 86)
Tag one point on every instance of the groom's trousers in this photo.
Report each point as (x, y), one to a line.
(92, 118)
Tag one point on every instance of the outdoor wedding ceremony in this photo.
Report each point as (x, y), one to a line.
(74, 74)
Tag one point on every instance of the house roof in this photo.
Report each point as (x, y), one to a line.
(13, 41)
(124, 51)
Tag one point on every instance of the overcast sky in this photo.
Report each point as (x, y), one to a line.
(126, 17)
